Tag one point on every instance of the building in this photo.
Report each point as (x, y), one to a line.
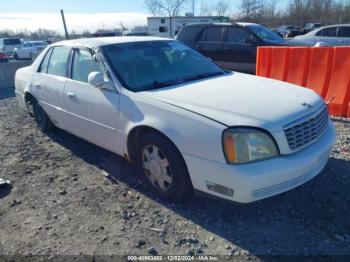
(170, 26)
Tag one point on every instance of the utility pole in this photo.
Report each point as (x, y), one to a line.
(193, 7)
(64, 25)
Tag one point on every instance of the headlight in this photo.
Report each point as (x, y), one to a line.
(244, 145)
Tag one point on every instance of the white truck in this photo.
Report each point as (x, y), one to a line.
(170, 26)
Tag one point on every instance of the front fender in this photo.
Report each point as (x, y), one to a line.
(191, 133)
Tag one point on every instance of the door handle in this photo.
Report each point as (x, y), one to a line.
(70, 94)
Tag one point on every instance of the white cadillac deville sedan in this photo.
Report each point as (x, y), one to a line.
(188, 124)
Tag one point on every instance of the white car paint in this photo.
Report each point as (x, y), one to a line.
(193, 116)
(7, 45)
(30, 50)
(322, 35)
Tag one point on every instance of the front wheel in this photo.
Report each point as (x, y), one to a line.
(164, 168)
(42, 119)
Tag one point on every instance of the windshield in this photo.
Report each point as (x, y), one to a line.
(150, 65)
(265, 34)
(12, 42)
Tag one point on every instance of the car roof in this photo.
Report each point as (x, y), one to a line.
(334, 26)
(102, 41)
(34, 42)
(246, 24)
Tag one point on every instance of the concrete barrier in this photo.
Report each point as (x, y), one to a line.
(8, 71)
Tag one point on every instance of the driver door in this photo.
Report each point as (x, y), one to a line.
(91, 112)
(240, 48)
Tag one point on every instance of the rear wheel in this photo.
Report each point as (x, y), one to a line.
(42, 119)
(163, 167)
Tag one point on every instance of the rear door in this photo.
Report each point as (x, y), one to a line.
(240, 48)
(344, 35)
(91, 113)
(48, 83)
(210, 42)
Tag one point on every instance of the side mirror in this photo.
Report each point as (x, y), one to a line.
(96, 79)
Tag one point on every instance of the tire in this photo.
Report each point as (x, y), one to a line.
(15, 56)
(179, 187)
(42, 119)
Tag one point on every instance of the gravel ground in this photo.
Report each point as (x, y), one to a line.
(69, 197)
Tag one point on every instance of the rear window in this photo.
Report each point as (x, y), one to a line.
(12, 41)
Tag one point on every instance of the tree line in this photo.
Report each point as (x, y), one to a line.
(271, 13)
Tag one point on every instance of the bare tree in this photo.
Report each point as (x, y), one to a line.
(251, 9)
(153, 7)
(169, 7)
(221, 8)
(205, 9)
(298, 10)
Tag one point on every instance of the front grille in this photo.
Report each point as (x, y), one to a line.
(302, 132)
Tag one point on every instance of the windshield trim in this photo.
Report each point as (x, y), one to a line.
(175, 82)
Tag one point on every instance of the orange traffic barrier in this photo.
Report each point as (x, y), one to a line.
(299, 66)
(264, 67)
(321, 64)
(279, 63)
(338, 94)
(322, 69)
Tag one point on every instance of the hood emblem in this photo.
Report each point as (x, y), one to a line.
(308, 106)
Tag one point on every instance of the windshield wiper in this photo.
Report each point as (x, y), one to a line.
(160, 84)
(202, 76)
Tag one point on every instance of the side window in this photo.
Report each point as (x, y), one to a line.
(45, 62)
(237, 36)
(84, 64)
(214, 34)
(344, 31)
(328, 32)
(58, 61)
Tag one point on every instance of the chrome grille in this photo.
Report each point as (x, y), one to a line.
(308, 129)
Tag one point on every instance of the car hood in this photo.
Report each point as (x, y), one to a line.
(242, 100)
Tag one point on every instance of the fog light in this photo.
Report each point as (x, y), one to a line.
(219, 189)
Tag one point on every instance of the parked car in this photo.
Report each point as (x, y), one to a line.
(311, 26)
(7, 45)
(3, 57)
(289, 31)
(185, 122)
(334, 35)
(232, 46)
(29, 50)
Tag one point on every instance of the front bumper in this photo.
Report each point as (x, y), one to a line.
(255, 181)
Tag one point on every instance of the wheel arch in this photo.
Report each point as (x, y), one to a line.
(133, 139)
(137, 132)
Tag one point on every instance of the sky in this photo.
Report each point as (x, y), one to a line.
(80, 14)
